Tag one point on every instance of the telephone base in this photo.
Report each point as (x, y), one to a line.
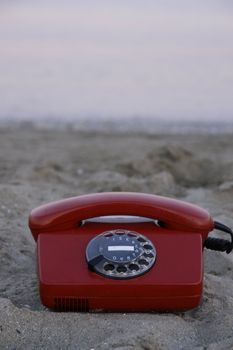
(174, 282)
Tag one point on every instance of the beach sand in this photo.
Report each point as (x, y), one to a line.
(38, 166)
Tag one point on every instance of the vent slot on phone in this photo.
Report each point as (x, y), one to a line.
(71, 304)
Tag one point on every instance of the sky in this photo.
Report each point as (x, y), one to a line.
(171, 60)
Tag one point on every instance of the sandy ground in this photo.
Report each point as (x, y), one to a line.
(39, 166)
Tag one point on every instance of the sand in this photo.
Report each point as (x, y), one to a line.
(38, 166)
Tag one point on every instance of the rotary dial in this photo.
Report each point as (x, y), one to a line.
(120, 254)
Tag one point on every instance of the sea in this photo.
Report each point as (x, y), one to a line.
(121, 125)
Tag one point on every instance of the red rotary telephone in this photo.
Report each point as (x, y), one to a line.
(122, 252)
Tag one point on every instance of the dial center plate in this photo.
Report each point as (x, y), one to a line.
(120, 248)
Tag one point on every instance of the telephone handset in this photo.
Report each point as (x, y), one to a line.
(131, 265)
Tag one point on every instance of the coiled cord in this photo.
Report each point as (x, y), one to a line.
(220, 244)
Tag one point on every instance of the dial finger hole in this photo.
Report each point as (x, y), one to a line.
(109, 267)
(148, 255)
(143, 262)
(133, 267)
(141, 239)
(108, 234)
(120, 232)
(131, 234)
(148, 246)
(121, 268)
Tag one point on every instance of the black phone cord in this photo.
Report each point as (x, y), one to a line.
(219, 244)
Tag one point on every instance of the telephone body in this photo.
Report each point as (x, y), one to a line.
(142, 253)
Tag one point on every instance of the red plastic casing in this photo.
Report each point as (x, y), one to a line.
(175, 282)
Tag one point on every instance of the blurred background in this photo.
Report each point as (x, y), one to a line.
(76, 61)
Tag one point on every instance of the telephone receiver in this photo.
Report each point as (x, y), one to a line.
(85, 264)
(170, 213)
